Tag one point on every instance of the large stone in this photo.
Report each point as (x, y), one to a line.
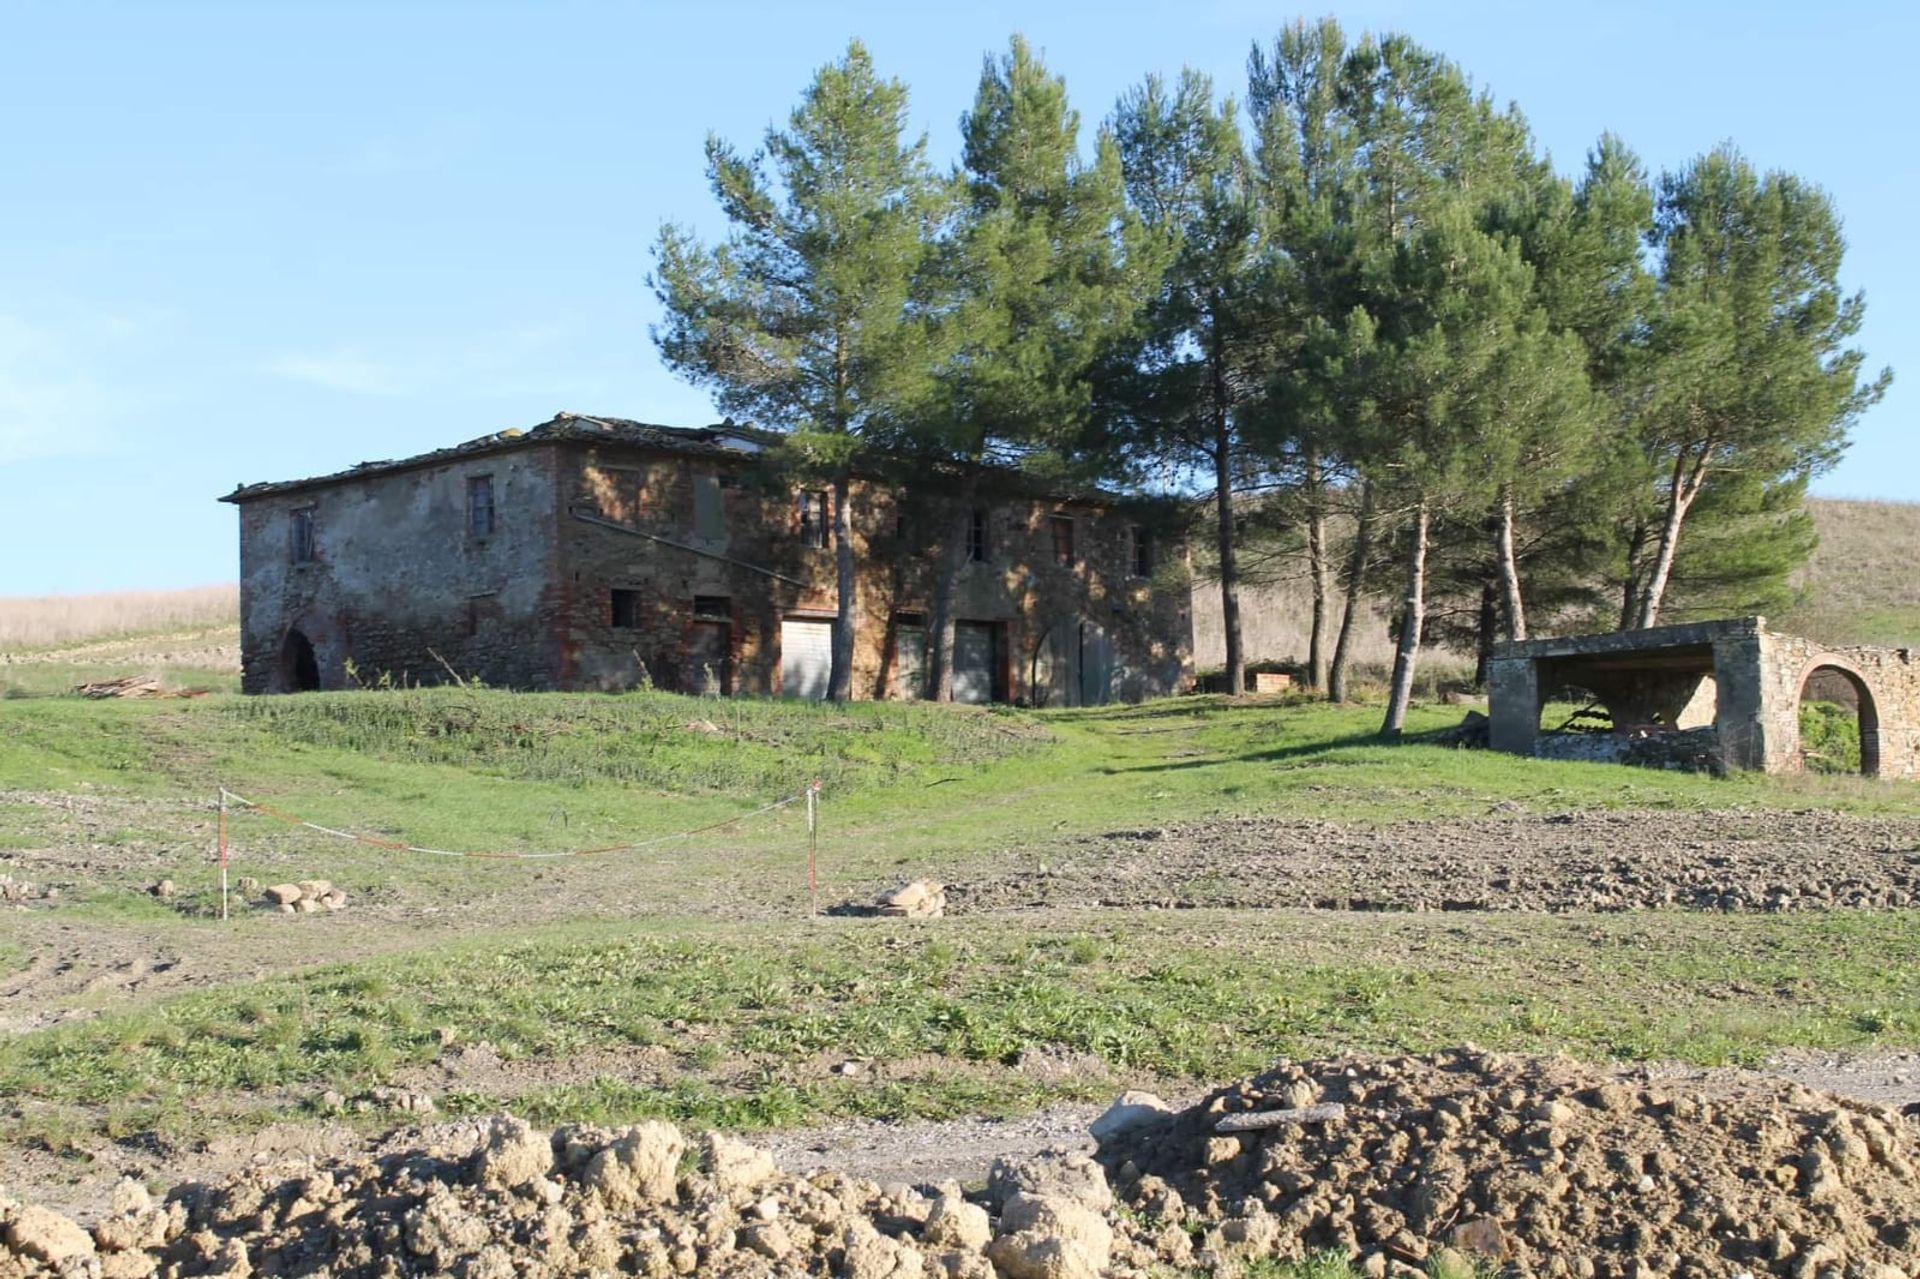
(1071, 1176)
(516, 1154)
(876, 1256)
(282, 894)
(1130, 1112)
(315, 889)
(952, 1222)
(1050, 1237)
(737, 1166)
(44, 1235)
(642, 1165)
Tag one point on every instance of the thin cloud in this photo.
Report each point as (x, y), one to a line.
(47, 408)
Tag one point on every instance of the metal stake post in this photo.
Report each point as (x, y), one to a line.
(813, 844)
(223, 852)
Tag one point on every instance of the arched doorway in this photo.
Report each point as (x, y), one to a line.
(1839, 723)
(299, 668)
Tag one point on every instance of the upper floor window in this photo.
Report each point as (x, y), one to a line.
(480, 505)
(813, 517)
(709, 520)
(624, 605)
(1062, 526)
(302, 535)
(977, 548)
(1140, 550)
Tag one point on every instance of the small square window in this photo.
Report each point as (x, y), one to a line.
(977, 548)
(813, 518)
(712, 608)
(302, 534)
(480, 505)
(626, 609)
(1062, 526)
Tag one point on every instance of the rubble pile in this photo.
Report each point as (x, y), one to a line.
(1540, 1165)
(1552, 1167)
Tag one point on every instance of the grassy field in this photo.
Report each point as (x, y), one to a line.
(689, 982)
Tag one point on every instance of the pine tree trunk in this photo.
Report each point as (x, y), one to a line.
(1357, 562)
(1510, 570)
(1485, 633)
(943, 623)
(846, 621)
(1229, 565)
(1412, 617)
(1318, 571)
(1630, 589)
(1679, 498)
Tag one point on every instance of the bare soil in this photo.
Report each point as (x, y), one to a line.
(1575, 861)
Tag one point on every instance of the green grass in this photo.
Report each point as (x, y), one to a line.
(752, 1019)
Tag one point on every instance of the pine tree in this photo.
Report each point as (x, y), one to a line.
(806, 319)
(1188, 176)
(1750, 377)
(1043, 273)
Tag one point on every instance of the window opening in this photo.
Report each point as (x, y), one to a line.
(626, 609)
(977, 537)
(813, 518)
(1062, 526)
(303, 535)
(480, 505)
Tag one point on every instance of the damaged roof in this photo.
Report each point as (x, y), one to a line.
(722, 439)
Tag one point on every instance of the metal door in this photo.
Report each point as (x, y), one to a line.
(806, 657)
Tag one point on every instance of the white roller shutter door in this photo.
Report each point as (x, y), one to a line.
(806, 657)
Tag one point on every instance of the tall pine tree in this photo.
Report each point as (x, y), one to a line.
(806, 318)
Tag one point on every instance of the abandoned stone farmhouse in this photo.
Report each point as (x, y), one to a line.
(600, 553)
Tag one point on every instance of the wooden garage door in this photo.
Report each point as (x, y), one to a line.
(806, 657)
(973, 662)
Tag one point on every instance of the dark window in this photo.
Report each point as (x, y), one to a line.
(303, 535)
(626, 609)
(977, 548)
(712, 608)
(1062, 526)
(708, 515)
(813, 518)
(480, 505)
(1142, 552)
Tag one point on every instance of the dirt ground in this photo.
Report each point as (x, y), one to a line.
(75, 959)
(1576, 861)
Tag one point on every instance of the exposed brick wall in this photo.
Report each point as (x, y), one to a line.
(396, 573)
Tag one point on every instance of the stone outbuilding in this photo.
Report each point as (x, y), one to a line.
(1729, 691)
(602, 553)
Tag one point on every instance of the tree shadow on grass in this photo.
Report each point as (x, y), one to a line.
(1271, 755)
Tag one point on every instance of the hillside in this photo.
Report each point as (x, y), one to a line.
(1860, 588)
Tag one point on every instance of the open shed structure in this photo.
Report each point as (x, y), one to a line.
(1730, 690)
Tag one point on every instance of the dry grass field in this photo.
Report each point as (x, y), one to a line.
(1861, 587)
(47, 621)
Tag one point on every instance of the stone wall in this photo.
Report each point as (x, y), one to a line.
(758, 562)
(1661, 677)
(396, 572)
(397, 576)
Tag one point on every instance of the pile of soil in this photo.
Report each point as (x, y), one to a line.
(1546, 1166)
(1553, 1167)
(1577, 861)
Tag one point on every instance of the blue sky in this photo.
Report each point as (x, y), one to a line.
(255, 241)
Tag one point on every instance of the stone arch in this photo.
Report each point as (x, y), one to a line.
(298, 669)
(1838, 674)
